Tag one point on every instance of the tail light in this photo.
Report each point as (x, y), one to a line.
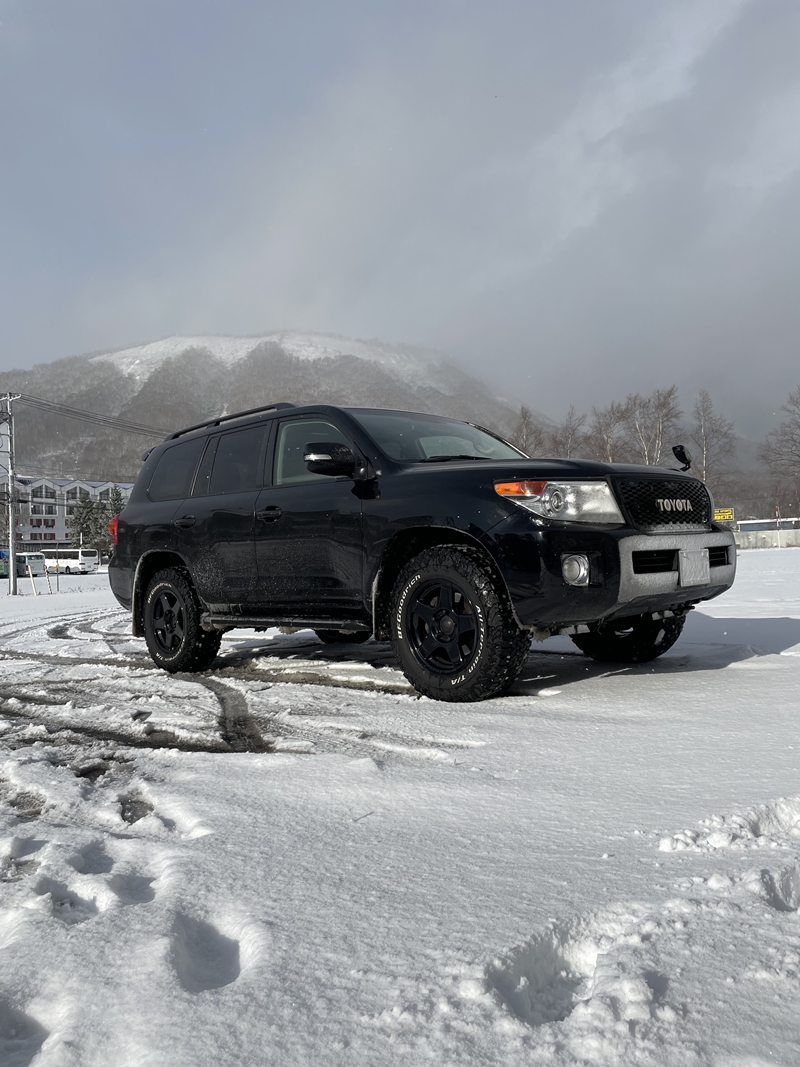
(113, 529)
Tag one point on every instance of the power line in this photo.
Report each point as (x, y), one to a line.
(111, 421)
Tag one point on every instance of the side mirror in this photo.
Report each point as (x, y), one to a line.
(682, 454)
(329, 457)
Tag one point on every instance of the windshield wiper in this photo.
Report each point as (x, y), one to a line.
(444, 459)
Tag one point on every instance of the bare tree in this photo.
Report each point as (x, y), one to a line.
(606, 438)
(780, 453)
(527, 435)
(713, 436)
(781, 450)
(651, 421)
(568, 435)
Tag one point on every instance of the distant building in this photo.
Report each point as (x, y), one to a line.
(45, 505)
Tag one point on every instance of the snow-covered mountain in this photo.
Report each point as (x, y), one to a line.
(181, 380)
(413, 364)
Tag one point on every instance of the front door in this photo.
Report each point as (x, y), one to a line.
(215, 526)
(308, 531)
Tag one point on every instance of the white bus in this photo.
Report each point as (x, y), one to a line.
(72, 560)
(34, 560)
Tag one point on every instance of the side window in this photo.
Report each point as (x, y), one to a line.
(292, 440)
(236, 464)
(172, 478)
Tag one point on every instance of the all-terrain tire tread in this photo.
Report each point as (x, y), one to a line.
(202, 645)
(509, 643)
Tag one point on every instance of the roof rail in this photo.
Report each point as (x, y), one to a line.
(227, 418)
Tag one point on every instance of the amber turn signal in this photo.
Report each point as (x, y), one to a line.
(520, 488)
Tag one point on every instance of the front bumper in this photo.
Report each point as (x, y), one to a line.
(642, 589)
(529, 556)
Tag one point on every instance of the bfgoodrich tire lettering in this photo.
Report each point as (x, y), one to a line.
(175, 639)
(635, 640)
(452, 627)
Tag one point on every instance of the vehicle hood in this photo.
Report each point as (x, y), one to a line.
(521, 469)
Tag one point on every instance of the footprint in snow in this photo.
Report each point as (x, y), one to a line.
(66, 905)
(132, 888)
(134, 807)
(17, 862)
(568, 964)
(129, 887)
(91, 859)
(202, 957)
(21, 1037)
(27, 804)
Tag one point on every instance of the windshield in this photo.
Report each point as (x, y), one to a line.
(430, 439)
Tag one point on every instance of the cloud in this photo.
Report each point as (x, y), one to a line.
(773, 153)
(587, 164)
(572, 185)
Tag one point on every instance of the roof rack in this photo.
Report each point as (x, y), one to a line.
(227, 418)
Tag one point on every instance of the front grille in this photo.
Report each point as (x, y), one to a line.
(718, 557)
(654, 562)
(675, 505)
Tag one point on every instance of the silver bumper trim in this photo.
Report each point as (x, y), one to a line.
(635, 586)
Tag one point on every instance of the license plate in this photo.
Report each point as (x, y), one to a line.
(693, 566)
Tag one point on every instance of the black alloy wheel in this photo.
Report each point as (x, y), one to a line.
(175, 638)
(169, 621)
(637, 639)
(442, 626)
(453, 628)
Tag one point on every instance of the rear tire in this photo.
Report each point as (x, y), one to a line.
(452, 626)
(638, 639)
(172, 630)
(343, 637)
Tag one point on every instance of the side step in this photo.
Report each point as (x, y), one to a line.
(260, 622)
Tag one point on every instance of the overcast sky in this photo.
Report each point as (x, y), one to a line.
(576, 198)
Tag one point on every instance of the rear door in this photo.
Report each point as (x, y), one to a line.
(215, 526)
(308, 530)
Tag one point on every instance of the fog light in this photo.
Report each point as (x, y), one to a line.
(575, 569)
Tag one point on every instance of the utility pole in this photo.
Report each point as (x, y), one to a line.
(12, 510)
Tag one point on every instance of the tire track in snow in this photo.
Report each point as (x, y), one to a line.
(60, 732)
(238, 728)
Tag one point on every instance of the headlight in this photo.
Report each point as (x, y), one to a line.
(567, 501)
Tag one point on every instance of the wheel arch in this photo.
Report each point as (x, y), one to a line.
(402, 547)
(149, 564)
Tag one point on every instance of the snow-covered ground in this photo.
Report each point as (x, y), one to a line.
(293, 860)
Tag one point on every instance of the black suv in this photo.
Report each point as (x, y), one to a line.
(434, 533)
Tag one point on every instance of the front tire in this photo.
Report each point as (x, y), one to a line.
(638, 639)
(172, 630)
(452, 627)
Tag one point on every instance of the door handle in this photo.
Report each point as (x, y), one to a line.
(269, 514)
(184, 522)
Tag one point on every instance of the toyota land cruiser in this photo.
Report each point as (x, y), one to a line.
(433, 533)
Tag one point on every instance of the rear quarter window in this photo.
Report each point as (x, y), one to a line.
(173, 475)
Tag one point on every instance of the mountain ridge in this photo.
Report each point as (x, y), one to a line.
(180, 380)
